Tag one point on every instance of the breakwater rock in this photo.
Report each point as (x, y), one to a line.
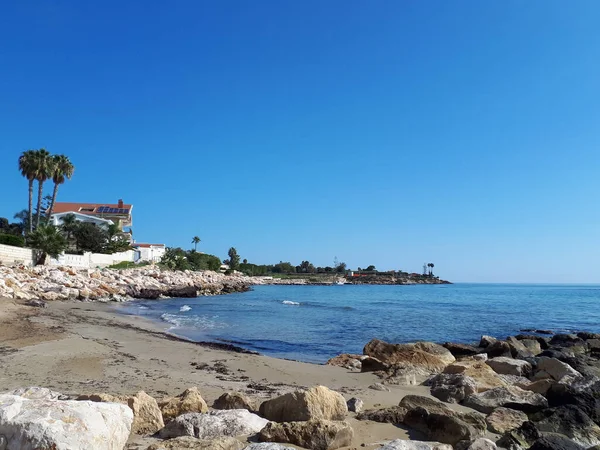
(67, 283)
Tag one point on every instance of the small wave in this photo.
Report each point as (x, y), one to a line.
(143, 307)
(185, 308)
(172, 319)
(289, 302)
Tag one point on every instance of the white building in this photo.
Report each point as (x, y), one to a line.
(148, 252)
(57, 219)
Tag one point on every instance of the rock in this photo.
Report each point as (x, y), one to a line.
(191, 443)
(214, 424)
(369, 364)
(405, 375)
(533, 345)
(355, 405)
(32, 424)
(484, 376)
(508, 397)
(509, 366)
(431, 405)
(480, 357)
(448, 429)
(400, 444)
(486, 341)
(586, 335)
(37, 303)
(147, 417)
(540, 386)
(38, 393)
(379, 387)
(318, 402)
(587, 399)
(315, 434)
(392, 414)
(189, 401)
(481, 444)
(105, 398)
(556, 369)
(555, 442)
(499, 348)
(460, 350)
(347, 361)
(519, 438)
(406, 355)
(267, 446)
(570, 421)
(235, 400)
(452, 388)
(435, 349)
(518, 349)
(501, 420)
(566, 340)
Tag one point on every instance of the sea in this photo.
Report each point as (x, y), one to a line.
(315, 323)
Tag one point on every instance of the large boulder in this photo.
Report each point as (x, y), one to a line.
(189, 401)
(461, 350)
(392, 414)
(436, 349)
(33, 424)
(448, 429)
(428, 358)
(509, 397)
(235, 400)
(498, 348)
(214, 424)
(347, 361)
(147, 417)
(318, 402)
(477, 444)
(519, 438)
(518, 348)
(501, 420)
(555, 442)
(191, 443)
(438, 422)
(558, 370)
(452, 388)
(587, 399)
(509, 366)
(570, 421)
(400, 444)
(484, 376)
(315, 434)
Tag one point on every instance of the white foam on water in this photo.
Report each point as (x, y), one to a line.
(191, 321)
(289, 302)
(143, 307)
(185, 308)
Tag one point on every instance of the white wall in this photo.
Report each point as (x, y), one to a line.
(153, 253)
(10, 255)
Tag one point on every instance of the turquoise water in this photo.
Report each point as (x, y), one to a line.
(314, 323)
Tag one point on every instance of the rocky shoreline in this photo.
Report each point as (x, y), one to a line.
(529, 391)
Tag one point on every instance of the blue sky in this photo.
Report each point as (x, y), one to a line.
(390, 133)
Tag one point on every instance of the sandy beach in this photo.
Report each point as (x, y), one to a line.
(83, 347)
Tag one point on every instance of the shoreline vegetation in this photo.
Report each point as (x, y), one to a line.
(535, 390)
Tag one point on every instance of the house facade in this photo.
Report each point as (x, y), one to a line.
(118, 213)
(148, 252)
(58, 218)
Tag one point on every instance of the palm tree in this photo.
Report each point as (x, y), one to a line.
(62, 168)
(47, 240)
(69, 226)
(27, 167)
(43, 170)
(196, 241)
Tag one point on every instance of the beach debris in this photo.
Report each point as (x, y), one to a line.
(235, 400)
(214, 424)
(509, 397)
(355, 405)
(189, 401)
(29, 424)
(315, 434)
(318, 402)
(501, 420)
(36, 303)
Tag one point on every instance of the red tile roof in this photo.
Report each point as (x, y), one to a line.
(61, 207)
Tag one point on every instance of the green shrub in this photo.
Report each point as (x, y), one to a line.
(9, 239)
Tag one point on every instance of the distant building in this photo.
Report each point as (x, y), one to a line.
(57, 219)
(118, 213)
(148, 252)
